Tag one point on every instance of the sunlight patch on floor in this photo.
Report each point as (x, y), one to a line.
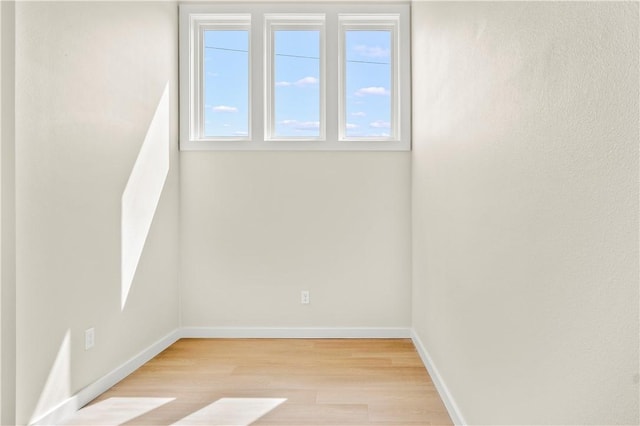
(115, 411)
(232, 411)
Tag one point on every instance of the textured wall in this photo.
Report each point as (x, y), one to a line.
(525, 207)
(89, 77)
(8, 212)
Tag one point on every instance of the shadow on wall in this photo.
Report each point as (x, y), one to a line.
(142, 193)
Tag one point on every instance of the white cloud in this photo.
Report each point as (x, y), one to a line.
(379, 124)
(301, 125)
(372, 51)
(240, 133)
(225, 108)
(306, 81)
(352, 126)
(373, 90)
(359, 114)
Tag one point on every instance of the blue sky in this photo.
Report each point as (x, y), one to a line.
(226, 94)
(368, 83)
(297, 88)
(297, 73)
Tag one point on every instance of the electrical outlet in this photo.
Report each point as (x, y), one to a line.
(89, 338)
(304, 297)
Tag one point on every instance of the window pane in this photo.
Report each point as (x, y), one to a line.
(226, 83)
(297, 85)
(368, 83)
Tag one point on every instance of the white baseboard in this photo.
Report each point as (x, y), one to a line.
(297, 332)
(88, 393)
(443, 391)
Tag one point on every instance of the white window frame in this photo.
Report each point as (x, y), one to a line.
(370, 22)
(198, 25)
(264, 19)
(292, 22)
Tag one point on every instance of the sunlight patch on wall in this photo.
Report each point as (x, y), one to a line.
(57, 388)
(142, 193)
(232, 411)
(115, 411)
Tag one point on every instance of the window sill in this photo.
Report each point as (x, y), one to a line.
(297, 145)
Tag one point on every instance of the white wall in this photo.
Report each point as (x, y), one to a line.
(525, 207)
(7, 213)
(89, 77)
(258, 227)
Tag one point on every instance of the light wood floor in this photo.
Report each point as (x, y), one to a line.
(274, 382)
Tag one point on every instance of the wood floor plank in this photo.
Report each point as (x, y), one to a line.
(274, 382)
(398, 395)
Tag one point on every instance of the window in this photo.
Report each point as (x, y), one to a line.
(225, 83)
(217, 104)
(369, 88)
(294, 76)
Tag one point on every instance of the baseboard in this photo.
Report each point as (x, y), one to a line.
(445, 395)
(88, 393)
(297, 332)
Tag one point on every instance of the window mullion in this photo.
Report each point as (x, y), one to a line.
(331, 80)
(257, 88)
